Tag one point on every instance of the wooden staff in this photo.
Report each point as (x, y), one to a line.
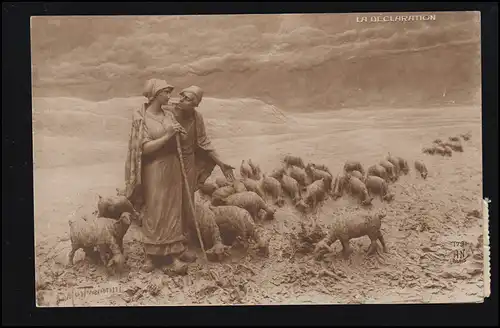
(188, 191)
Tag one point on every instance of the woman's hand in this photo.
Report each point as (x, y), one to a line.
(227, 170)
(176, 128)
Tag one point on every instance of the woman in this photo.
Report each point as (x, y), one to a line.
(154, 182)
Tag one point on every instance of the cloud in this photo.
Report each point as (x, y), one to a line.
(202, 46)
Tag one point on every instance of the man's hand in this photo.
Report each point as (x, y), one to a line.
(227, 170)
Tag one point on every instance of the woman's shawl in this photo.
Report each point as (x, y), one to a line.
(133, 164)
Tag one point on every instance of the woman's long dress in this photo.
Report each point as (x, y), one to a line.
(167, 210)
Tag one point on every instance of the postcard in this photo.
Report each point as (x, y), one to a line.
(258, 159)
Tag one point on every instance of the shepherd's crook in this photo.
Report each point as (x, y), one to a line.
(188, 191)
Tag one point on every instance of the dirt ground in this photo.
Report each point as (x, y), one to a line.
(422, 228)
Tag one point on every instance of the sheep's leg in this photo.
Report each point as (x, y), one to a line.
(71, 254)
(382, 241)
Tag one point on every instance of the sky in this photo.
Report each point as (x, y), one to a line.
(99, 57)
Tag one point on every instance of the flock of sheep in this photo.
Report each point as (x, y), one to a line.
(226, 212)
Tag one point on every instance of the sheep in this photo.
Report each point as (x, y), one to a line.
(104, 233)
(235, 222)
(253, 185)
(378, 186)
(222, 182)
(390, 169)
(354, 226)
(245, 170)
(298, 174)
(250, 201)
(222, 193)
(272, 187)
(378, 171)
(290, 160)
(256, 171)
(353, 165)
(421, 169)
(315, 174)
(313, 194)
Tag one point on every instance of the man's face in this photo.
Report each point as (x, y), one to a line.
(187, 101)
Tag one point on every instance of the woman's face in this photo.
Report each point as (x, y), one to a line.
(164, 96)
(187, 101)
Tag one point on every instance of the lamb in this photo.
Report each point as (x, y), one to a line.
(315, 174)
(290, 160)
(251, 202)
(291, 186)
(403, 165)
(378, 186)
(272, 187)
(390, 169)
(221, 194)
(210, 232)
(313, 194)
(395, 162)
(277, 173)
(245, 170)
(252, 185)
(239, 186)
(455, 145)
(466, 136)
(298, 174)
(378, 171)
(339, 185)
(447, 151)
(104, 233)
(356, 188)
(354, 226)
(438, 142)
(350, 166)
(255, 170)
(113, 207)
(321, 167)
(357, 174)
(421, 168)
(429, 150)
(236, 223)
(222, 182)
(207, 188)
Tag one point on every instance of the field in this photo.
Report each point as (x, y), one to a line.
(80, 147)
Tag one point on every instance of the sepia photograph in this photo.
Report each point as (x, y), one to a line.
(262, 159)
